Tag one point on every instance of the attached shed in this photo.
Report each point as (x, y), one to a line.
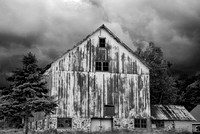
(171, 117)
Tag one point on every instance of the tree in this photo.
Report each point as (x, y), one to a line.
(11, 120)
(28, 92)
(189, 90)
(162, 85)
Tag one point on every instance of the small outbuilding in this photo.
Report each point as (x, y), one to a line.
(196, 113)
(171, 118)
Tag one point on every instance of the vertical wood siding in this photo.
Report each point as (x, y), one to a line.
(83, 92)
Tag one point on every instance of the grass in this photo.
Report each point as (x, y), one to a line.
(52, 131)
(11, 131)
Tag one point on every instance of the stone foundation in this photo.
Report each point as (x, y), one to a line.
(82, 124)
(123, 123)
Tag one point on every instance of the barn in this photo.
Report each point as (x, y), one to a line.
(99, 85)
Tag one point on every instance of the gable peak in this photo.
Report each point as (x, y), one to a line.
(102, 26)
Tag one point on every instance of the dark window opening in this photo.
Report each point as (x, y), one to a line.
(102, 42)
(105, 66)
(102, 66)
(98, 66)
(158, 123)
(140, 123)
(143, 123)
(64, 122)
(36, 125)
(109, 110)
(137, 123)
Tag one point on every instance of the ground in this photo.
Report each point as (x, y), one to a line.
(19, 131)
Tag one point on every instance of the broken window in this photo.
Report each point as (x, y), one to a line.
(140, 123)
(158, 123)
(64, 122)
(102, 42)
(102, 66)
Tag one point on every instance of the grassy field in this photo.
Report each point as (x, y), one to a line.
(17, 131)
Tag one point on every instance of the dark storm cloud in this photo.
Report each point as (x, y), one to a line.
(50, 27)
(46, 28)
(7, 40)
(183, 45)
(8, 63)
(174, 26)
(51, 53)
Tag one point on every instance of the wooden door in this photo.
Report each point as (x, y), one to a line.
(101, 124)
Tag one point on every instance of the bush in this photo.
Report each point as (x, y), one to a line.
(12, 131)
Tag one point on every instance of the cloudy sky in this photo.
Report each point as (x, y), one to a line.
(50, 27)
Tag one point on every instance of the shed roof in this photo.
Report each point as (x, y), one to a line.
(170, 112)
(196, 112)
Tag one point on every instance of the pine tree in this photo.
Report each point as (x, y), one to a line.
(28, 92)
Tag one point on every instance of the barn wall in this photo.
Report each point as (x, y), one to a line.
(181, 126)
(82, 92)
(82, 58)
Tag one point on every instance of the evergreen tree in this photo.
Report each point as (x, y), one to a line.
(162, 85)
(10, 121)
(28, 93)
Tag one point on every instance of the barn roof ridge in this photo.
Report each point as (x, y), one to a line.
(112, 34)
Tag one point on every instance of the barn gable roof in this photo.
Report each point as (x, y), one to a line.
(113, 35)
(170, 112)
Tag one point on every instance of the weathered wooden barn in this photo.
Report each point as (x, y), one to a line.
(100, 85)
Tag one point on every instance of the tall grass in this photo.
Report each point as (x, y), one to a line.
(11, 131)
(53, 131)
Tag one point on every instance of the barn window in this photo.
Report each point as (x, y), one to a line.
(105, 66)
(64, 122)
(102, 66)
(158, 123)
(98, 66)
(140, 123)
(102, 42)
(109, 110)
